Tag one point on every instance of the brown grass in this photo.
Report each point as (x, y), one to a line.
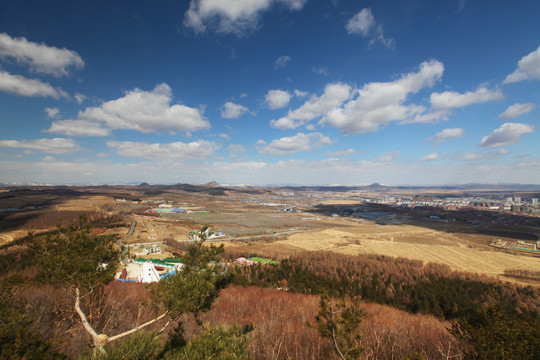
(280, 331)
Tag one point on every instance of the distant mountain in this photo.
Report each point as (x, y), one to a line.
(375, 186)
(211, 184)
(145, 184)
(379, 187)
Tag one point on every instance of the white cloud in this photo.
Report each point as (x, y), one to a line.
(429, 117)
(528, 68)
(52, 113)
(364, 24)
(299, 93)
(292, 144)
(232, 111)
(79, 98)
(282, 61)
(19, 85)
(507, 134)
(361, 23)
(341, 153)
(446, 134)
(388, 157)
(277, 99)
(483, 156)
(516, 110)
(78, 128)
(430, 157)
(238, 166)
(380, 103)
(236, 148)
(147, 112)
(231, 16)
(320, 70)
(40, 57)
(178, 150)
(452, 99)
(334, 95)
(225, 136)
(326, 171)
(51, 146)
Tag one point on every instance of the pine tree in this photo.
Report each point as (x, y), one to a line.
(340, 322)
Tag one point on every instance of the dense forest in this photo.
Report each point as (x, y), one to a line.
(57, 301)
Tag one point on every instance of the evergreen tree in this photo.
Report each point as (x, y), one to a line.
(494, 333)
(340, 323)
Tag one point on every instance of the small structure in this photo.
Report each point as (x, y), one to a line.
(149, 273)
(153, 250)
(244, 261)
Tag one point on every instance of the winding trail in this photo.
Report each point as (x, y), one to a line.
(120, 241)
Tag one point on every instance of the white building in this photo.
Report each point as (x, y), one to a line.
(153, 250)
(149, 273)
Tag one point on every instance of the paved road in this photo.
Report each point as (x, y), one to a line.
(125, 248)
(252, 236)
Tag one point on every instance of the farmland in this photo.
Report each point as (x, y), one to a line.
(272, 223)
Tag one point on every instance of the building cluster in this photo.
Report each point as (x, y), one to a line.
(149, 270)
(510, 204)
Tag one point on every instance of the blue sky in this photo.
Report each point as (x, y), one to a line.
(270, 92)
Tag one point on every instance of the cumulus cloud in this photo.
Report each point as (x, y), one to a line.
(277, 99)
(446, 134)
(528, 68)
(231, 16)
(430, 157)
(334, 95)
(52, 113)
(364, 24)
(196, 150)
(282, 61)
(51, 146)
(452, 99)
(40, 57)
(147, 112)
(78, 128)
(292, 144)
(507, 134)
(19, 85)
(361, 23)
(341, 153)
(516, 110)
(232, 111)
(380, 103)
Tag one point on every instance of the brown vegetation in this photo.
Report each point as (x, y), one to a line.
(280, 331)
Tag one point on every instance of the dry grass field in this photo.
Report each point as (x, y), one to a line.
(412, 242)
